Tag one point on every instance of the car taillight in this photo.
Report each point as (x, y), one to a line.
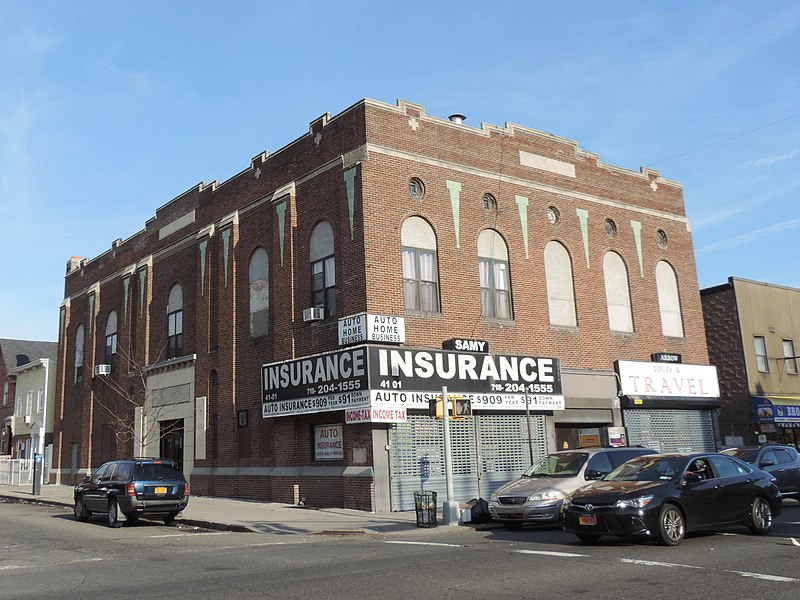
(186, 489)
(130, 489)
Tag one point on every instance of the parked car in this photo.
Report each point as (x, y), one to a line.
(782, 462)
(666, 495)
(537, 495)
(151, 487)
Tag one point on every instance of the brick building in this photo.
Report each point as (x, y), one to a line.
(752, 330)
(342, 262)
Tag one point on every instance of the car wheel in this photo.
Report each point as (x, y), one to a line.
(168, 519)
(588, 538)
(113, 514)
(81, 514)
(671, 526)
(760, 518)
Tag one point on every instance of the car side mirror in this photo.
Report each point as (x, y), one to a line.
(691, 477)
(86, 480)
(767, 462)
(592, 474)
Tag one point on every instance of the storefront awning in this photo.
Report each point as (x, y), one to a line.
(782, 410)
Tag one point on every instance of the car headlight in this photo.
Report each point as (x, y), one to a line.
(546, 495)
(493, 497)
(638, 502)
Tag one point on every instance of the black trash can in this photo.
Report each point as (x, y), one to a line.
(425, 505)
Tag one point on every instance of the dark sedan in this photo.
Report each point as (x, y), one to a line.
(664, 496)
(782, 462)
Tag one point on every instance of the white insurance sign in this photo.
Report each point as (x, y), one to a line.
(328, 442)
(365, 327)
(668, 380)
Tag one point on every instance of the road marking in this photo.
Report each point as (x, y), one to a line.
(795, 542)
(548, 553)
(424, 544)
(655, 563)
(767, 577)
(49, 565)
(170, 535)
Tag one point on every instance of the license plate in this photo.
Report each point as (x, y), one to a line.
(587, 520)
(161, 490)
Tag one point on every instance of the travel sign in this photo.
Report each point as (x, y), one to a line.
(408, 378)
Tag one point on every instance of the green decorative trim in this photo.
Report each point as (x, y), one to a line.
(637, 235)
(142, 278)
(62, 321)
(226, 238)
(91, 312)
(350, 183)
(455, 203)
(522, 205)
(280, 209)
(583, 215)
(203, 249)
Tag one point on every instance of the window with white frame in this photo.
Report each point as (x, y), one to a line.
(420, 266)
(618, 295)
(493, 273)
(259, 292)
(19, 409)
(560, 288)
(323, 269)
(760, 346)
(39, 400)
(79, 354)
(790, 358)
(175, 322)
(669, 302)
(5, 393)
(29, 402)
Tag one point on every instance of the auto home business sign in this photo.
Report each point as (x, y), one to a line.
(377, 376)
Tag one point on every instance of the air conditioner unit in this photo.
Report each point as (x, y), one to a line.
(28, 419)
(102, 369)
(313, 314)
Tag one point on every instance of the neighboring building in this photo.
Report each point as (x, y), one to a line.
(343, 262)
(14, 354)
(753, 332)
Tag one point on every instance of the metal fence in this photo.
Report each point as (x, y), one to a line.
(16, 471)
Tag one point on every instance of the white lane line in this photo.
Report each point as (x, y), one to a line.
(548, 553)
(50, 565)
(424, 544)
(169, 535)
(767, 577)
(794, 542)
(655, 563)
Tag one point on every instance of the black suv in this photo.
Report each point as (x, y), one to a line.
(782, 462)
(135, 487)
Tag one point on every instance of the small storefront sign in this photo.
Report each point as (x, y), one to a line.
(328, 442)
(365, 327)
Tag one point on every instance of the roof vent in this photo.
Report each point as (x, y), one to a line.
(457, 118)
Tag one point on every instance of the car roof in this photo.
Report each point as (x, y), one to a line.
(596, 449)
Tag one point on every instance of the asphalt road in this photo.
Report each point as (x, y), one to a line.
(47, 554)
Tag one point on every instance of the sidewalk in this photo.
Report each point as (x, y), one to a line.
(227, 514)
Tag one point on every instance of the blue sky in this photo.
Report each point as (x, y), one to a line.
(109, 110)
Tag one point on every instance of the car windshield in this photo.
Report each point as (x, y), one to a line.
(745, 454)
(648, 468)
(564, 464)
(158, 472)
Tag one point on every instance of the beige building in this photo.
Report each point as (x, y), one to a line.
(753, 333)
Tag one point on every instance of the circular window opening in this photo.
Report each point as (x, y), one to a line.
(489, 203)
(416, 188)
(553, 216)
(611, 228)
(661, 238)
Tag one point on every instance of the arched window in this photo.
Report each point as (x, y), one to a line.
(175, 322)
(323, 269)
(420, 266)
(493, 274)
(669, 302)
(79, 354)
(259, 292)
(618, 295)
(111, 340)
(560, 289)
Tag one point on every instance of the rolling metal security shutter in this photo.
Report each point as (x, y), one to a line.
(488, 450)
(671, 430)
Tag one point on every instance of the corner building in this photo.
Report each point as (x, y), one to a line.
(498, 237)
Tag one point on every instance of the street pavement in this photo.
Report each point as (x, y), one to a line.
(228, 514)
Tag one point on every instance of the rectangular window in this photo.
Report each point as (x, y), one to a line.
(760, 344)
(495, 296)
(28, 402)
(18, 408)
(111, 350)
(5, 393)
(323, 285)
(420, 287)
(790, 357)
(39, 400)
(175, 334)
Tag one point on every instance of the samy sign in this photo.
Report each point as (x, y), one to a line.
(381, 377)
(667, 380)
